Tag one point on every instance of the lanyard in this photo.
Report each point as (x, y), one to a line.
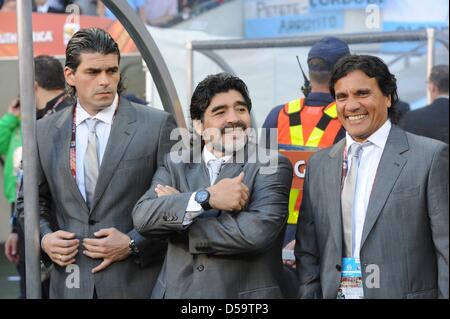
(73, 140)
(53, 108)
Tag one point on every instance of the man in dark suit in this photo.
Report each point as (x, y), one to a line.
(96, 159)
(223, 207)
(432, 120)
(374, 217)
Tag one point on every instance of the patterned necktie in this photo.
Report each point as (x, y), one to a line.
(91, 162)
(347, 196)
(215, 166)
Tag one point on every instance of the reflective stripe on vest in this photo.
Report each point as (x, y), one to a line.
(290, 132)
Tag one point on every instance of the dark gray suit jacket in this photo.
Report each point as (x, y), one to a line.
(138, 141)
(221, 254)
(406, 231)
(430, 121)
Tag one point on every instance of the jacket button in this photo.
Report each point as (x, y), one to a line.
(92, 222)
(201, 268)
(338, 267)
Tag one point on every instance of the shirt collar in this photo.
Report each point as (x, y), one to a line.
(106, 115)
(378, 138)
(208, 156)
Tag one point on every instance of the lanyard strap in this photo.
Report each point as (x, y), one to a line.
(53, 108)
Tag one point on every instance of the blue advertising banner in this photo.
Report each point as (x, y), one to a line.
(284, 26)
(322, 5)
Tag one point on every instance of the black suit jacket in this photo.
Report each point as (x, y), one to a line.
(430, 121)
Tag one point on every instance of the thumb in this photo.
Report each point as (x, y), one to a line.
(240, 177)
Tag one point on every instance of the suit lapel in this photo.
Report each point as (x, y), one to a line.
(122, 131)
(230, 170)
(333, 194)
(64, 125)
(197, 176)
(389, 169)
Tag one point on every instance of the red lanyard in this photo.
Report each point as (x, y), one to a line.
(73, 141)
(53, 108)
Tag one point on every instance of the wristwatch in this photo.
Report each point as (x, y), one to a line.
(134, 250)
(202, 197)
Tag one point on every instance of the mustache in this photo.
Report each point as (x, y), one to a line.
(238, 124)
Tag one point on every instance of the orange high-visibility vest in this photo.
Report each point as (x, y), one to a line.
(291, 132)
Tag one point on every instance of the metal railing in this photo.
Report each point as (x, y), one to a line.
(207, 48)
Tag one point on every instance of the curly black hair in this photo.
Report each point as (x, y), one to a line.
(373, 67)
(212, 85)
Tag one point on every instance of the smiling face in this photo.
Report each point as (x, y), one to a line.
(361, 106)
(224, 123)
(96, 80)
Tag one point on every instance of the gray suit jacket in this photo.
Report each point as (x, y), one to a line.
(138, 141)
(406, 231)
(221, 254)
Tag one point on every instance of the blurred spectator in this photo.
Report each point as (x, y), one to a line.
(402, 108)
(44, 6)
(60, 4)
(160, 13)
(137, 5)
(9, 6)
(87, 7)
(432, 120)
(193, 7)
(50, 97)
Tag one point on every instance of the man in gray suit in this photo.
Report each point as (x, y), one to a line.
(96, 159)
(223, 207)
(374, 219)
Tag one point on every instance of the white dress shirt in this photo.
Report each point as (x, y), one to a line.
(103, 129)
(193, 208)
(369, 160)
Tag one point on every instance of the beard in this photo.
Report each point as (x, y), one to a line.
(232, 138)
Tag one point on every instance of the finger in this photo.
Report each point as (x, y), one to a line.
(172, 190)
(67, 263)
(105, 263)
(64, 234)
(94, 255)
(93, 241)
(65, 258)
(104, 232)
(242, 203)
(158, 192)
(64, 251)
(95, 249)
(245, 195)
(64, 243)
(240, 177)
(162, 191)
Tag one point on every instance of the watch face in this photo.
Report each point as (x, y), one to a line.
(201, 196)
